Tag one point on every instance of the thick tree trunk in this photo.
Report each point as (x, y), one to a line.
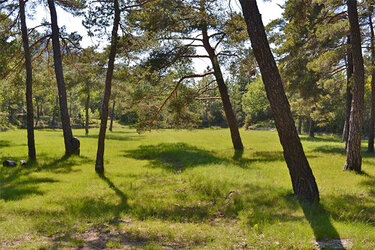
(299, 126)
(87, 106)
(353, 151)
(303, 180)
(99, 165)
(112, 115)
(349, 95)
(71, 143)
(311, 128)
(372, 118)
(231, 118)
(29, 85)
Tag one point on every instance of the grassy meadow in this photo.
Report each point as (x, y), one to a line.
(179, 189)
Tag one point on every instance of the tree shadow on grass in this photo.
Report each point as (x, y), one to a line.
(119, 137)
(64, 164)
(4, 143)
(320, 221)
(119, 193)
(16, 182)
(352, 208)
(174, 157)
(23, 188)
(177, 157)
(321, 139)
(329, 149)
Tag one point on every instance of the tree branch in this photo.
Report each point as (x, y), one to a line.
(175, 89)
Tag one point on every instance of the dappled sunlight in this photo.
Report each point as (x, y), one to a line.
(183, 185)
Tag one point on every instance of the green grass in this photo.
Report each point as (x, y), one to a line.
(179, 189)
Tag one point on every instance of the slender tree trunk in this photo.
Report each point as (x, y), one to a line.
(37, 113)
(353, 151)
(87, 106)
(53, 118)
(231, 118)
(372, 119)
(99, 166)
(71, 143)
(29, 85)
(303, 180)
(311, 127)
(55, 110)
(112, 116)
(299, 126)
(349, 94)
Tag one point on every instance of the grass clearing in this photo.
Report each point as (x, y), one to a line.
(179, 189)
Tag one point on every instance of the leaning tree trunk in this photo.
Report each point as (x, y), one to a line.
(372, 118)
(87, 106)
(231, 118)
(349, 94)
(303, 180)
(353, 151)
(72, 145)
(112, 116)
(99, 165)
(29, 85)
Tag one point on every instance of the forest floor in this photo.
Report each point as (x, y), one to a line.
(180, 189)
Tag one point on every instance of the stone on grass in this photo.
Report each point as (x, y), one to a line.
(9, 163)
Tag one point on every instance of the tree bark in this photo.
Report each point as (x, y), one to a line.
(99, 165)
(112, 116)
(71, 143)
(311, 128)
(349, 94)
(303, 180)
(29, 85)
(87, 106)
(372, 118)
(37, 112)
(353, 151)
(231, 118)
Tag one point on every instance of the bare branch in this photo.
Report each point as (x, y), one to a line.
(175, 90)
(207, 98)
(220, 40)
(196, 56)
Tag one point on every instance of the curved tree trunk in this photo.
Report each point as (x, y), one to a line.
(112, 115)
(353, 151)
(71, 143)
(99, 165)
(372, 118)
(231, 118)
(303, 180)
(29, 85)
(349, 95)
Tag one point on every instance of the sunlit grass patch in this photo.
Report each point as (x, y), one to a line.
(179, 189)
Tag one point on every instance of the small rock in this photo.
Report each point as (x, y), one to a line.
(9, 163)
